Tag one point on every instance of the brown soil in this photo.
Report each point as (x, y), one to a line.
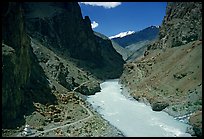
(170, 75)
(71, 117)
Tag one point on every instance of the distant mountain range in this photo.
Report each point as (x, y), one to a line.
(130, 37)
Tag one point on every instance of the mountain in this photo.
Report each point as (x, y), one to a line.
(122, 51)
(23, 79)
(173, 32)
(137, 50)
(169, 74)
(50, 57)
(149, 33)
(61, 27)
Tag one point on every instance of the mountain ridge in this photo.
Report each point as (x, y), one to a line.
(50, 51)
(169, 74)
(149, 33)
(74, 38)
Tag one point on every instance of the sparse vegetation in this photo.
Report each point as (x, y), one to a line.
(174, 109)
(199, 102)
(40, 129)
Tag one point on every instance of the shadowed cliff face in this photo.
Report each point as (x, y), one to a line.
(19, 69)
(16, 69)
(61, 27)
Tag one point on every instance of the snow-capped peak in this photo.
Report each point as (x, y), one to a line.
(157, 26)
(122, 34)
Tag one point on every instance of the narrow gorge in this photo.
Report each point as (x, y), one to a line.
(62, 78)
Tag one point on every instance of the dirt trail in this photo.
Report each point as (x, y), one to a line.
(64, 126)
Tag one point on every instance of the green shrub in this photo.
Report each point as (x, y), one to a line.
(174, 109)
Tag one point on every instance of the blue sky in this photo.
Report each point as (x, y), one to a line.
(124, 16)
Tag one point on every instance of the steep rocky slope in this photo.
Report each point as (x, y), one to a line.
(169, 75)
(64, 72)
(61, 28)
(23, 79)
(51, 60)
(181, 25)
(137, 50)
(122, 51)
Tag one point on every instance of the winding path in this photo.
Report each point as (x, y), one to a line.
(64, 126)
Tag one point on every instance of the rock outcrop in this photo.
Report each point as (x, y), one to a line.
(122, 51)
(50, 51)
(61, 27)
(169, 75)
(196, 121)
(22, 78)
(159, 106)
(63, 71)
(181, 25)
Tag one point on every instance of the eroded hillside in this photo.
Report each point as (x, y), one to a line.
(169, 75)
(23, 79)
(61, 28)
(51, 60)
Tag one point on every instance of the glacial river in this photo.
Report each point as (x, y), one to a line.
(133, 118)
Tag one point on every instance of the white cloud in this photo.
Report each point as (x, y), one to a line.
(106, 5)
(94, 24)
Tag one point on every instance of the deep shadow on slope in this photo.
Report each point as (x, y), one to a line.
(23, 79)
(61, 28)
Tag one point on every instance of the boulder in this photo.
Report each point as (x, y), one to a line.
(196, 121)
(159, 106)
(56, 119)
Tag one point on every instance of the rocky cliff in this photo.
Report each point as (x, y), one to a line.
(61, 28)
(169, 75)
(23, 79)
(181, 25)
(48, 50)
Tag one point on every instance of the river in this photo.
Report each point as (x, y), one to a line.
(133, 118)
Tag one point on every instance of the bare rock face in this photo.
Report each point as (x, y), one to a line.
(61, 27)
(196, 121)
(159, 106)
(169, 74)
(16, 62)
(181, 25)
(19, 69)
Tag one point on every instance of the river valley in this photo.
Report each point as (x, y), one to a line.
(131, 117)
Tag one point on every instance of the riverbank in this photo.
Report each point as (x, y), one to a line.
(133, 118)
(169, 79)
(71, 117)
(178, 116)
